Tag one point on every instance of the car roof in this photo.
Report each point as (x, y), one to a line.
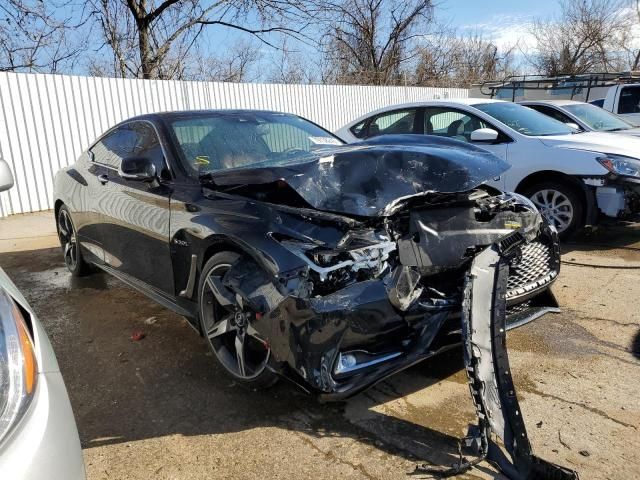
(558, 102)
(170, 115)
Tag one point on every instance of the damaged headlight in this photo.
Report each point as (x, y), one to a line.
(18, 366)
(324, 261)
(524, 201)
(627, 166)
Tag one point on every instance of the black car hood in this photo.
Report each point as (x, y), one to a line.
(369, 178)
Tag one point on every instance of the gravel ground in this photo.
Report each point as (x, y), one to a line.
(161, 408)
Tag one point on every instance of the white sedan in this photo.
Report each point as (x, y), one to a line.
(583, 116)
(570, 176)
(38, 435)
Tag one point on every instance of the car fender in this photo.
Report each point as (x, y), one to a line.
(527, 158)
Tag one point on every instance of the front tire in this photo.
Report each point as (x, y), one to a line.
(236, 345)
(69, 243)
(560, 203)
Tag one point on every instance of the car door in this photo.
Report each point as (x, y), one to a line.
(81, 190)
(135, 215)
(459, 124)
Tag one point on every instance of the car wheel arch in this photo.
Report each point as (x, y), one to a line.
(584, 192)
(56, 208)
(551, 175)
(207, 247)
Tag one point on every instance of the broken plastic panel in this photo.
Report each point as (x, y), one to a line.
(490, 379)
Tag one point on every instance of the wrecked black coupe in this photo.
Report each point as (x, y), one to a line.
(334, 266)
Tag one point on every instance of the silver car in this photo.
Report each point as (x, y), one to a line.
(38, 434)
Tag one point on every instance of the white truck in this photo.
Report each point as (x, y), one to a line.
(618, 93)
(623, 99)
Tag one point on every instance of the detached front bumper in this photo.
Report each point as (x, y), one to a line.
(490, 376)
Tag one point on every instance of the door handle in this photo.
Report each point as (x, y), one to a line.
(104, 178)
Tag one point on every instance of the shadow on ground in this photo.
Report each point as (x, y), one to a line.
(608, 235)
(635, 347)
(168, 383)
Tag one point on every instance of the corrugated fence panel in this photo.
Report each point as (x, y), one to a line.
(47, 121)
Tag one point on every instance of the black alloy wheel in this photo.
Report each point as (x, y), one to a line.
(69, 242)
(237, 346)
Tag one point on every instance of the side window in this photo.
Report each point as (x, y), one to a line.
(358, 129)
(396, 122)
(445, 122)
(629, 100)
(111, 149)
(148, 145)
(551, 112)
(135, 139)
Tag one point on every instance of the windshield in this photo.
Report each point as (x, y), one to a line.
(597, 118)
(524, 120)
(226, 140)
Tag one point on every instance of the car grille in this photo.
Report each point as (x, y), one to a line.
(532, 270)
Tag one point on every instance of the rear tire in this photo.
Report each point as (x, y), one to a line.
(238, 348)
(560, 203)
(70, 245)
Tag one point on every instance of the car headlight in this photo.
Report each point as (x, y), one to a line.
(629, 167)
(18, 365)
(372, 257)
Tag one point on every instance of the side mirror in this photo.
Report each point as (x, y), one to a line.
(575, 126)
(486, 135)
(140, 169)
(6, 177)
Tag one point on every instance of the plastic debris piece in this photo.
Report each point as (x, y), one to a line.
(137, 335)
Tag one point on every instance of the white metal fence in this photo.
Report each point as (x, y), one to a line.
(46, 121)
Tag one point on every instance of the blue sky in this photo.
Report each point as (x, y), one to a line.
(502, 21)
(469, 12)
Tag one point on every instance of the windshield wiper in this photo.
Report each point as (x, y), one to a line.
(617, 129)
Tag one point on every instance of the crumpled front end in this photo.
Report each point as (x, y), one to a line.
(388, 293)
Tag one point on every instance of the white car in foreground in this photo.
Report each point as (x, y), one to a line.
(570, 176)
(38, 435)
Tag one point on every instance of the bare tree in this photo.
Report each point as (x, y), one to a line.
(290, 65)
(584, 37)
(237, 64)
(446, 59)
(34, 37)
(153, 38)
(628, 38)
(369, 41)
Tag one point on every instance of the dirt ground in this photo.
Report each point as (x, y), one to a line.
(161, 408)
